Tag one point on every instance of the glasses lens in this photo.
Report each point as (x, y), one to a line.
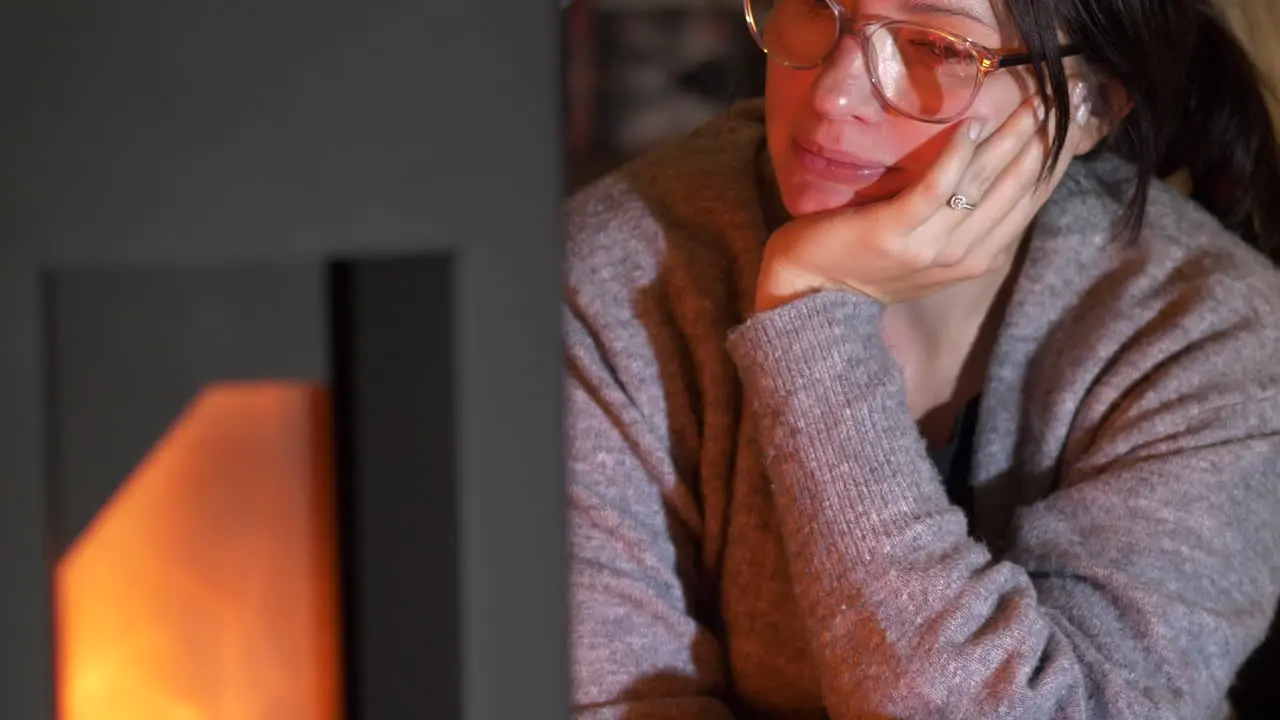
(795, 32)
(923, 73)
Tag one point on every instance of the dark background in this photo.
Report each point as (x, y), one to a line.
(640, 72)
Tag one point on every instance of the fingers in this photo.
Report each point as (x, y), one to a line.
(916, 205)
(969, 169)
(992, 252)
(1006, 179)
(1010, 157)
(1024, 183)
(1023, 174)
(1007, 155)
(1019, 176)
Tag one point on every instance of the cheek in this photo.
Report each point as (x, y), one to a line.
(1000, 97)
(784, 91)
(790, 109)
(924, 143)
(913, 146)
(919, 145)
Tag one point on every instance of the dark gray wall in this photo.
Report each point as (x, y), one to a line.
(238, 133)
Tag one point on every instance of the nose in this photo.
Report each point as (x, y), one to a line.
(843, 88)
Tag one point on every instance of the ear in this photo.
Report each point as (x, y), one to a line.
(1104, 106)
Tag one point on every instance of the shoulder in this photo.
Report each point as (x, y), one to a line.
(1161, 333)
(656, 259)
(682, 220)
(697, 188)
(1184, 273)
(1180, 247)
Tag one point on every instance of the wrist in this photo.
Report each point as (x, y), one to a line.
(776, 286)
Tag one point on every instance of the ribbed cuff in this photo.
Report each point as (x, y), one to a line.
(850, 472)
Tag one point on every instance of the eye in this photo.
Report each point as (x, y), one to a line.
(939, 49)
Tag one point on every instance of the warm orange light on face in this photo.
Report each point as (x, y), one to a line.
(206, 588)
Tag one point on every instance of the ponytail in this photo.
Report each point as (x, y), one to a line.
(1197, 103)
(1225, 137)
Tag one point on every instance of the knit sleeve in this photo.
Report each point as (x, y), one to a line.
(1135, 590)
(642, 644)
(634, 531)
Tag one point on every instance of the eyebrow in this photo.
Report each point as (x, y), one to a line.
(942, 7)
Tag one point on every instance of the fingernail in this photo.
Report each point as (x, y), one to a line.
(975, 130)
(1041, 113)
(1078, 93)
(1084, 110)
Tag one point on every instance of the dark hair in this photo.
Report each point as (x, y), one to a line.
(1197, 102)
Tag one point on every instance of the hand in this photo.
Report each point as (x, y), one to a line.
(909, 246)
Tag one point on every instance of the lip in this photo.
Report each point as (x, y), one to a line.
(836, 167)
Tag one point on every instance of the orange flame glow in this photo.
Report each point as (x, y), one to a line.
(206, 588)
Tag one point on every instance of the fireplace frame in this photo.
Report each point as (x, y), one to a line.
(383, 227)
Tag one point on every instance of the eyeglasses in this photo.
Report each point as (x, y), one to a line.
(923, 73)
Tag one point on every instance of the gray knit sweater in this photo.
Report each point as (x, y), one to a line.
(757, 529)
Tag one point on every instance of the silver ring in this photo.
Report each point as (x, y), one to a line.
(960, 202)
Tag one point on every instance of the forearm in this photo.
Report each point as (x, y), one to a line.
(910, 617)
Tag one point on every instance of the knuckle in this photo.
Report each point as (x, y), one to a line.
(980, 176)
(950, 255)
(1000, 259)
(918, 256)
(972, 267)
(983, 263)
(886, 244)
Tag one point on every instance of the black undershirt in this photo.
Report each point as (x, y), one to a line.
(953, 460)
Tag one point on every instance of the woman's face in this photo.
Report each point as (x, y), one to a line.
(832, 141)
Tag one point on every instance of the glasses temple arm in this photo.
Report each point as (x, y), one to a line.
(1017, 59)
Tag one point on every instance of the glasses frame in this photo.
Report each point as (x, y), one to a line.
(989, 60)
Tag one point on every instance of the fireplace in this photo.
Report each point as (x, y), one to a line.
(206, 584)
(228, 449)
(279, 405)
(251, 491)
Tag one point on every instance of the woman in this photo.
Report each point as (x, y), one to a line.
(910, 393)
